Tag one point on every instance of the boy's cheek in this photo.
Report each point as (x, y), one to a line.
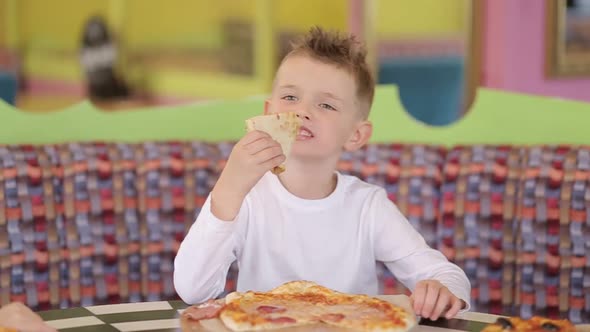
(274, 106)
(280, 108)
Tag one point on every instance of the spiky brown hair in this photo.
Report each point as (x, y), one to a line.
(343, 51)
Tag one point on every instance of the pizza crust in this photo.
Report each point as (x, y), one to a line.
(303, 303)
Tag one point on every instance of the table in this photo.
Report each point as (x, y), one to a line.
(163, 316)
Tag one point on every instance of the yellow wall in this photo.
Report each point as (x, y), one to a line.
(8, 24)
(169, 24)
(197, 23)
(399, 19)
(161, 23)
(294, 15)
(3, 28)
(56, 23)
(300, 15)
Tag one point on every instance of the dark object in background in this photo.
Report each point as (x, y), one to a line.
(99, 58)
(237, 54)
(8, 87)
(12, 80)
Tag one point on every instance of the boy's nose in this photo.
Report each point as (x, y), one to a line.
(302, 116)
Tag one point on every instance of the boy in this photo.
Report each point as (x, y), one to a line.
(311, 222)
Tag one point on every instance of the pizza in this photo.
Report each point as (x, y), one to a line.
(534, 324)
(303, 303)
(282, 127)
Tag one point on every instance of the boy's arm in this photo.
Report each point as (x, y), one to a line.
(206, 253)
(409, 258)
(211, 245)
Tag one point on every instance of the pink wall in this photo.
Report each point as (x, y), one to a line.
(514, 51)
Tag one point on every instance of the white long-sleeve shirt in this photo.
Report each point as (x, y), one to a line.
(335, 241)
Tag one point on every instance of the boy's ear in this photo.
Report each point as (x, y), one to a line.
(267, 107)
(360, 136)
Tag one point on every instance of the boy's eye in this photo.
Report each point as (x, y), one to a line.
(328, 107)
(289, 98)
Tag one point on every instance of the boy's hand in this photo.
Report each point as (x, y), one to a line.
(19, 317)
(431, 299)
(254, 155)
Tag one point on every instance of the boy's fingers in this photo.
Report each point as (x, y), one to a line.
(268, 154)
(276, 161)
(441, 304)
(430, 299)
(456, 306)
(253, 136)
(418, 297)
(260, 144)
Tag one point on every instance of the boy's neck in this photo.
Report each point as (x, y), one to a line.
(309, 180)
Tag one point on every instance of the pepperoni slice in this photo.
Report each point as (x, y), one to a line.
(268, 309)
(334, 318)
(207, 310)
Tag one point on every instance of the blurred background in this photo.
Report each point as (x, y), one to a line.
(127, 53)
(505, 194)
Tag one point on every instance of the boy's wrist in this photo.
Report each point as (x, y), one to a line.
(229, 187)
(226, 195)
(226, 201)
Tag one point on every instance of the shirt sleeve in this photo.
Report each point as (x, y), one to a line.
(205, 255)
(407, 255)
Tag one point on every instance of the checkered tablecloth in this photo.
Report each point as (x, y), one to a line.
(164, 316)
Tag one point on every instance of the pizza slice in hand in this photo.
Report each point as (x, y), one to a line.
(282, 127)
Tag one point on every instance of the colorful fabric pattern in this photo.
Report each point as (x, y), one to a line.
(88, 224)
(85, 224)
(411, 175)
(476, 225)
(553, 227)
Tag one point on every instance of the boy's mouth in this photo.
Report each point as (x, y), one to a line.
(304, 134)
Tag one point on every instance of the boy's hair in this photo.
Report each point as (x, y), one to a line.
(344, 52)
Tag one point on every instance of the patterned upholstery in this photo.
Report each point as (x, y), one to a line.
(475, 228)
(85, 224)
(553, 227)
(411, 175)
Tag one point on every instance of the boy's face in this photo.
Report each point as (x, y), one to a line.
(324, 98)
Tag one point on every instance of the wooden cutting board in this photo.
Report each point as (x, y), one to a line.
(211, 325)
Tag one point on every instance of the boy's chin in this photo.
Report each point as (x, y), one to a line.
(308, 154)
